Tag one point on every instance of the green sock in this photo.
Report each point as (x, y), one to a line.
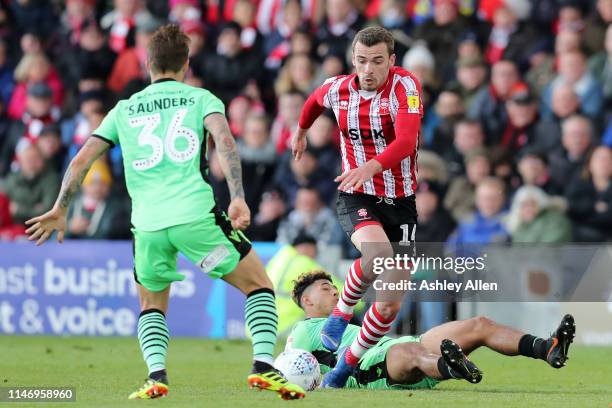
(262, 320)
(153, 337)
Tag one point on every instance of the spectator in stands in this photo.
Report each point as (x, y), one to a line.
(521, 129)
(322, 144)
(536, 218)
(600, 66)
(130, 64)
(573, 71)
(313, 217)
(471, 79)
(289, 109)
(485, 225)
(7, 81)
(121, 23)
(341, 23)
(297, 73)
(567, 161)
(95, 214)
(435, 222)
(420, 61)
(439, 129)
(31, 190)
(460, 198)
(489, 106)
(34, 14)
(565, 103)
(245, 13)
(468, 136)
(271, 211)
(181, 11)
(442, 32)
(291, 175)
(570, 17)
(50, 144)
(77, 15)
(227, 72)
(33, 69)
(589, 198)
(533, 170)
(258, 156)
(39, 113)
(277, 44)
(595, 26)
(541, 69)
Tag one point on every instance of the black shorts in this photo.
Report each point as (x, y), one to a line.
(397, 216)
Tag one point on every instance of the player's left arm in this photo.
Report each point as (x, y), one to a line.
(407, 125)
(43, 226)
(238, 211)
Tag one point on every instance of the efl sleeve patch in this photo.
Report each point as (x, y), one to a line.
(413, 102)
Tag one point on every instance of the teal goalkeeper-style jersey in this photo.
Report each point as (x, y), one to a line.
(163, 143)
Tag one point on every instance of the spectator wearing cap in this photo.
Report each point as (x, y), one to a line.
(534, 171)
(567, 161)
(271, 211)
(536, 218)
(589, 198)
(258, 157)
(94, 213)
(489, 106)
(520, 131)
(33, 188)
(439, 128)
(33, 69)
(460, 198)
(441, 33)
(313, 217)
(435, 222)
(595, 26)
(130, 64)
(341, 23)
(471, 79)
(573, 71)
(420, 61)
(228, 71)
(122, 21)
(486, 224)
(600, 66)
(39, 113)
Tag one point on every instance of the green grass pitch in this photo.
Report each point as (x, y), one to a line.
(212, 373)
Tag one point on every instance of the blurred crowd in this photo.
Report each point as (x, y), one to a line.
(515, 142)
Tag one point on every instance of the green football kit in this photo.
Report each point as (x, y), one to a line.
(372, 369)
(163, 142)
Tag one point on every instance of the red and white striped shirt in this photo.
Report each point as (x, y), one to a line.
(382, 125)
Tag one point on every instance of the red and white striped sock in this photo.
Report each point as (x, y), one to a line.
(373, 328)
(355, 287)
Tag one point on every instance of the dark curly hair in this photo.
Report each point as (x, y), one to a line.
(304, 281)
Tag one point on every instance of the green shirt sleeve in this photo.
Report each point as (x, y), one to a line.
(108, 128)
(212, 104)
(299, 338)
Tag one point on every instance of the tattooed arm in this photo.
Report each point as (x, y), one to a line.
(42, 227)
(229, 160)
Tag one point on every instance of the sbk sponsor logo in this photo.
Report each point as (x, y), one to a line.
(354, 134)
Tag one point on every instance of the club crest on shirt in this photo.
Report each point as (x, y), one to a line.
(384, 106)
(344, 105)
(413, 101)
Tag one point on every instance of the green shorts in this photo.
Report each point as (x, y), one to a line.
(372, 371)
(209, 242)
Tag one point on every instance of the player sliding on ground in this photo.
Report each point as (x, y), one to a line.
(417, 362)
(378, 110)
(163, 132)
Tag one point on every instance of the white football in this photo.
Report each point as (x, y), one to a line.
(299, 367)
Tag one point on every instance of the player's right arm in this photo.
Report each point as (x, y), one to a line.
(238, 211)
(42, 227)
(313, 108)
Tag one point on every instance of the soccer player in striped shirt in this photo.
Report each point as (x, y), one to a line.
(378, 109)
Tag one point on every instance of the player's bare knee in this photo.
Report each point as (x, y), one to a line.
(388, 310)
(481, 323)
